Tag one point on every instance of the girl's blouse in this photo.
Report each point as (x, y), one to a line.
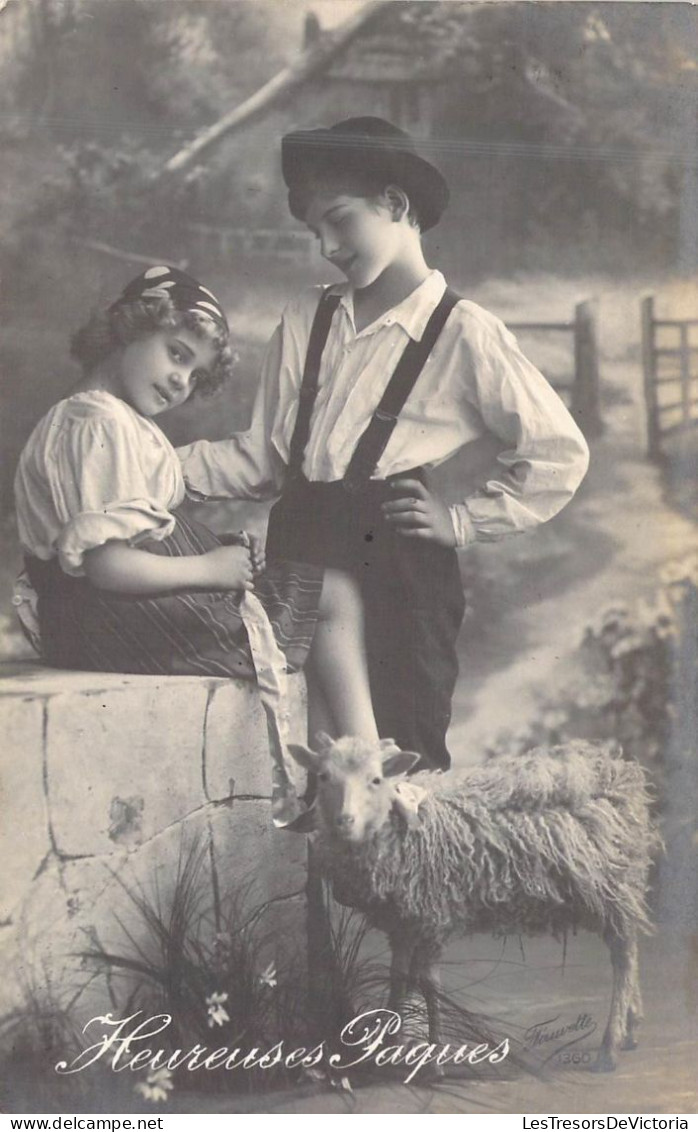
(93, 470)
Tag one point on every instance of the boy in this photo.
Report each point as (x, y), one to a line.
(367, 384)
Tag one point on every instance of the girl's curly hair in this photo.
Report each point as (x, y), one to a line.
(124, 323)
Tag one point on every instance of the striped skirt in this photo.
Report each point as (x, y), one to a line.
(192, 632)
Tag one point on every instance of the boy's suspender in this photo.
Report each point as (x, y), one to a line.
(374, 440)
(308, 390)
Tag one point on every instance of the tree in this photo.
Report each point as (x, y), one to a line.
(575, 113)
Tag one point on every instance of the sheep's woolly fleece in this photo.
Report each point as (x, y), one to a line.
(547, 841)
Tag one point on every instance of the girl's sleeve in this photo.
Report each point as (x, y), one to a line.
(544, 456)
(101, 490)
(246, 465)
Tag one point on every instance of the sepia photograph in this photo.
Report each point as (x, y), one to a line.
(349, 569)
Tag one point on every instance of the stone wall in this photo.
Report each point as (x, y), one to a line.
(109, 784)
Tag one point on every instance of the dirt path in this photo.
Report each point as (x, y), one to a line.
(534, 988)
(539, 591)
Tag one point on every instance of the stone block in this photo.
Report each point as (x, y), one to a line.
(103, 904)
(32, 679)
(47, 971)
(124, 764)
(108, 789)
(237, 760)
(236, 751)
(119, 902)
(250, 854)
(24, 832)
(8, 965)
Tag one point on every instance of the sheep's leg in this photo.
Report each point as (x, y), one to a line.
(427, 975)
(409, 993)
(634, 1015)
(402, 946)
(621, 998)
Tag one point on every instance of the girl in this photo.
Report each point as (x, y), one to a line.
(124, 582)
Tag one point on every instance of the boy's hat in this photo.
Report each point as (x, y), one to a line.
(184, 291)
(366, 145)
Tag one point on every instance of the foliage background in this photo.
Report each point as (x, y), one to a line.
(566, 130)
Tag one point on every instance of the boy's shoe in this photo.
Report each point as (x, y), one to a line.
(426, 764)
(306, 822)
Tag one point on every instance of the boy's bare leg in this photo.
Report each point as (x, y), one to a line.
(339, 696)
(319, 714)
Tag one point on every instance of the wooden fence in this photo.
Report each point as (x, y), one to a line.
(582, 391)
(670, 368)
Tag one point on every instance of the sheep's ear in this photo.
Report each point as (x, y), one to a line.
(307, 758)
(399, 762)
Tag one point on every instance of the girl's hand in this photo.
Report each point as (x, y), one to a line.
(229, 568)
(254, 544)
(257, 556)
(417, 513)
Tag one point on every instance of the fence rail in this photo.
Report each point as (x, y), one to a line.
(664, 414)
(279, 243)
(545, 326)
(583, 389)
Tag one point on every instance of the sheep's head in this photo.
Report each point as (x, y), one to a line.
(356, 782)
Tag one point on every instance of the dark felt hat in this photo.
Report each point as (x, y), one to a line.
(368, 146)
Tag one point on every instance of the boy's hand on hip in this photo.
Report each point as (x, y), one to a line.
(417, 513)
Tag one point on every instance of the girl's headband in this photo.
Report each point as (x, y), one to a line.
(184, 292)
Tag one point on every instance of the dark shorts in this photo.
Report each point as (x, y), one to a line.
(193, 632)
(413, 602)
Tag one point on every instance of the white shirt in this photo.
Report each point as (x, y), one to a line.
(475, 383)
(92, 470)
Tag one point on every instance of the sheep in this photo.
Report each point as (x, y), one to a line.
(546, 841)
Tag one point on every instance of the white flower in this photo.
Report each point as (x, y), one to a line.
(680, 571)
(314, 1074)
(631, 642)
(268, 976)
(156, 1086)
(217, 1014)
